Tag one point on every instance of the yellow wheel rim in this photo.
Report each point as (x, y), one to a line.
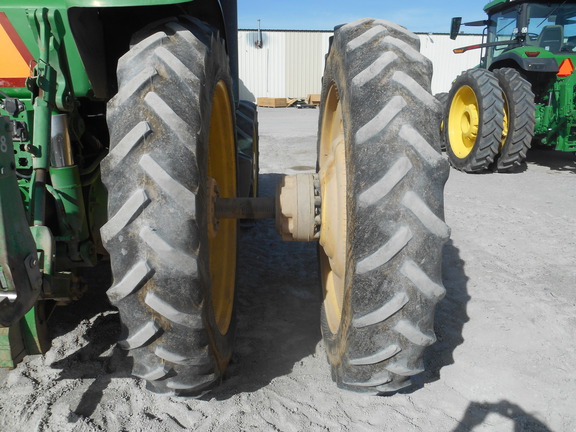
(222, 241)
(463, 122)
(333, 234)
(506, 123)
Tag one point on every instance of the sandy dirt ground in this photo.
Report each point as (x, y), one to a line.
(505, 355)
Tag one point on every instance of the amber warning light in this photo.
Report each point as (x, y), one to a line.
(464, 49)
(16, 61)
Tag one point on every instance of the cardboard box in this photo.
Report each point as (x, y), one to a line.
(313, 99)
(272, 102)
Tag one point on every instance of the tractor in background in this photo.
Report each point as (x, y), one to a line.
(123, 140)
(522, 91)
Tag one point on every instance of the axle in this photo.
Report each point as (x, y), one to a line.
(296, 208)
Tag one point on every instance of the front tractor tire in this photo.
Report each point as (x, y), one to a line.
(382, 231)
(172, 139)
(474, 121)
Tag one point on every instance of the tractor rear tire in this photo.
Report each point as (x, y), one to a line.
(382, 178)
(172, 131)
(474, 120)
(520, 114)
(247, 129)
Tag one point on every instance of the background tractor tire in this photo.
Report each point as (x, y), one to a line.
(520, 115)
(474, 120)
(171, 130)
(381, 179)
(442, 98)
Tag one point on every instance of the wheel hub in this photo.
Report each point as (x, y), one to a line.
(298, 208)
(469, 124)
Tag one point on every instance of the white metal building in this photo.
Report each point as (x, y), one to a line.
(290, 63)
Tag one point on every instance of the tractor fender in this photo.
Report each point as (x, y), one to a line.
(515, 61)
(103, 34)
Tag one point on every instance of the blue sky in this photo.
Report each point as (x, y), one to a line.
(416, 15)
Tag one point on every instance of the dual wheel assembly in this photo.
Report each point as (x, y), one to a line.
(488, 120)
(375, 206)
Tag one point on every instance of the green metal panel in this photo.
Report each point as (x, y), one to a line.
(18, 253)
(21, 18)
(28, 336)
(12, 349)
(556, 117)
(494, 4)
(64, 4)
(521, 52)
(21, 13)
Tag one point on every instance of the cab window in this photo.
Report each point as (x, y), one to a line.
(552, 27)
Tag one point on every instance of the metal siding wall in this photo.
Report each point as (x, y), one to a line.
(262, 70)
(303, 65)
(290, 64)
(447, 65)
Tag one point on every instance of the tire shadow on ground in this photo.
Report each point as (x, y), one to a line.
(449, 320)
(278, 305)
(99, 359)
(554, 160)
(477, 412)
(97, 280)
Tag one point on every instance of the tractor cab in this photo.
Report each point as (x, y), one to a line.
(535, 36)
(527, 71)
(535, 27)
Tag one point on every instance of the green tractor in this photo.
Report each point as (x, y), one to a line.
(523, 89)
(123, 140)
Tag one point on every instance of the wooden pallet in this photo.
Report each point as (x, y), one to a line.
(272, 102)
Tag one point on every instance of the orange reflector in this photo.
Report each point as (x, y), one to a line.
(15, 60)
(566, 68)
(532, 53)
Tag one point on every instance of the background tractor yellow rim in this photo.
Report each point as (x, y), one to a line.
(506, 123)
(463, 122)
(333, 234)
(222, 241)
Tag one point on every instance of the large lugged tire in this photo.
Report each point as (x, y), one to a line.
(381, 179)
(474, 120)
(520, 113)
(171, 130)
